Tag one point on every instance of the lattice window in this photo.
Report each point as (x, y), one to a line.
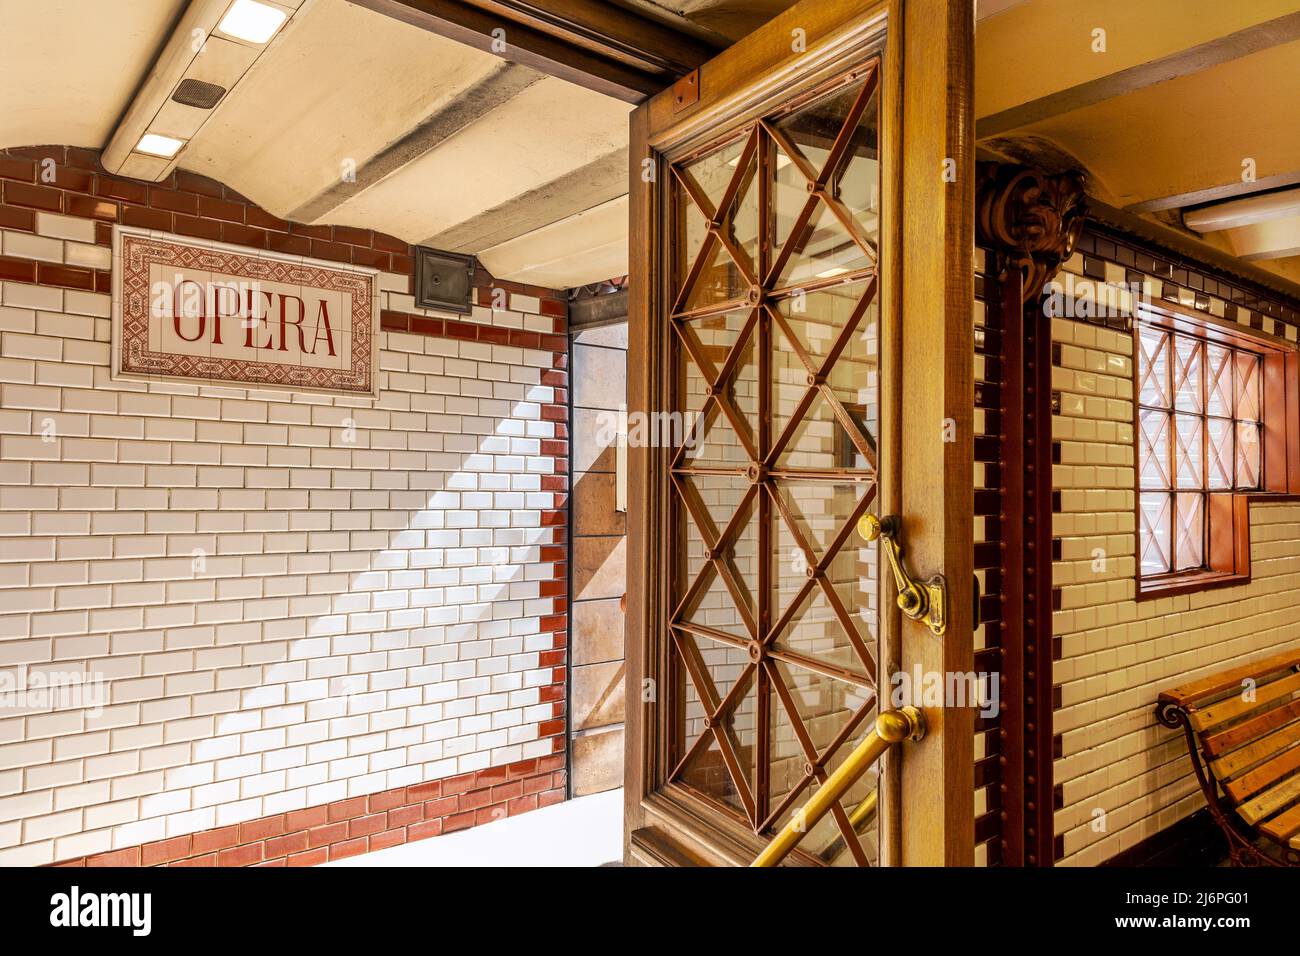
(773, 245)
(1200, 427)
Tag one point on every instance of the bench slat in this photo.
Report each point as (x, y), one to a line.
(1243, 758)
(1226, 740)
(1265, 775)
(1284, 824)
(1227, 680)
(1270, 801)
(1234, 707)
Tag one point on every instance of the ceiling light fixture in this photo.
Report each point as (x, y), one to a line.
(156, 144)
(251, 21)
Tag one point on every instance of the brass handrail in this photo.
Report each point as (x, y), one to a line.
(863, 811)
(892, 728)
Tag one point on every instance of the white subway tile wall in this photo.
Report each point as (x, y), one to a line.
(288, 598)
(1124, 777)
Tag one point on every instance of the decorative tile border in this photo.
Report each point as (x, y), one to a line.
(1110, 257)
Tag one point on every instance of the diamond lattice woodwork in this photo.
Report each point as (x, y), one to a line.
(773, 246)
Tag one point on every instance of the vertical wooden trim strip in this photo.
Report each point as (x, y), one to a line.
(888, 442)
(640, 750)
(937, 368)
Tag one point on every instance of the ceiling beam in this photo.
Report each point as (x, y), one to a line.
(1194, 59)
(593, 311)
(587, 186)
(594, 45)
(504, 83)
(609, 29)
(1190, 247)
(1233, 190)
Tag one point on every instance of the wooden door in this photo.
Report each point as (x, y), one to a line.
(801, 355)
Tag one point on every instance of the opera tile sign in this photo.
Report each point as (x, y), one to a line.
(210, 313)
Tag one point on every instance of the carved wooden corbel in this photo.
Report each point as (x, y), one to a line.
(1031, 218)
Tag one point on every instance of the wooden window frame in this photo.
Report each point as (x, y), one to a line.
(1227, 545)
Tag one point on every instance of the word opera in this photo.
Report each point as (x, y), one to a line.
(209, 313)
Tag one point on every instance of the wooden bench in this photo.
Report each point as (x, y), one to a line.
(1243, 734)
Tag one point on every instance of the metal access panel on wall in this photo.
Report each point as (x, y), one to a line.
(444, 280)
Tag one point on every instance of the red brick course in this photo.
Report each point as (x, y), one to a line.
(359, 824)
(188, 204)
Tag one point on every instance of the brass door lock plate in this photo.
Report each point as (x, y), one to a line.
(925, 601)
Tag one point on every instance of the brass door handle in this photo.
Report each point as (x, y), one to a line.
(921, 601)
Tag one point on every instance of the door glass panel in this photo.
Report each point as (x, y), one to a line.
(822, 249)
(731, 735)
(717, 430)
(692, 230)
(856, 182)
(724, 598)
(712, 173)
(827, 190)
(719, 282)
(785, 384)
(825, 709)
(719, 268)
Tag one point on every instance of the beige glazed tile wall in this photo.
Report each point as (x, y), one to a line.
(290, 599)
(1123, 777)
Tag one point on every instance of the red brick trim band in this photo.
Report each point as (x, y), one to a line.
(391, 321)
(186, 204)
(357, 825)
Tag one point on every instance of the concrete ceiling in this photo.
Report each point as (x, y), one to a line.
(444, 140)
(353, 118)
(68, 68)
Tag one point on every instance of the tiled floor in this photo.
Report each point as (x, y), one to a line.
(587, 831)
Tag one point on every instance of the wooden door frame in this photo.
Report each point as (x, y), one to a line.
(930, 43)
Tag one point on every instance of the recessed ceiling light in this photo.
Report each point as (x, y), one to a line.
(832, 272)
(251, 21)
(157, 145)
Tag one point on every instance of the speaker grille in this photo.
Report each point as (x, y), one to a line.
(199, 94)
